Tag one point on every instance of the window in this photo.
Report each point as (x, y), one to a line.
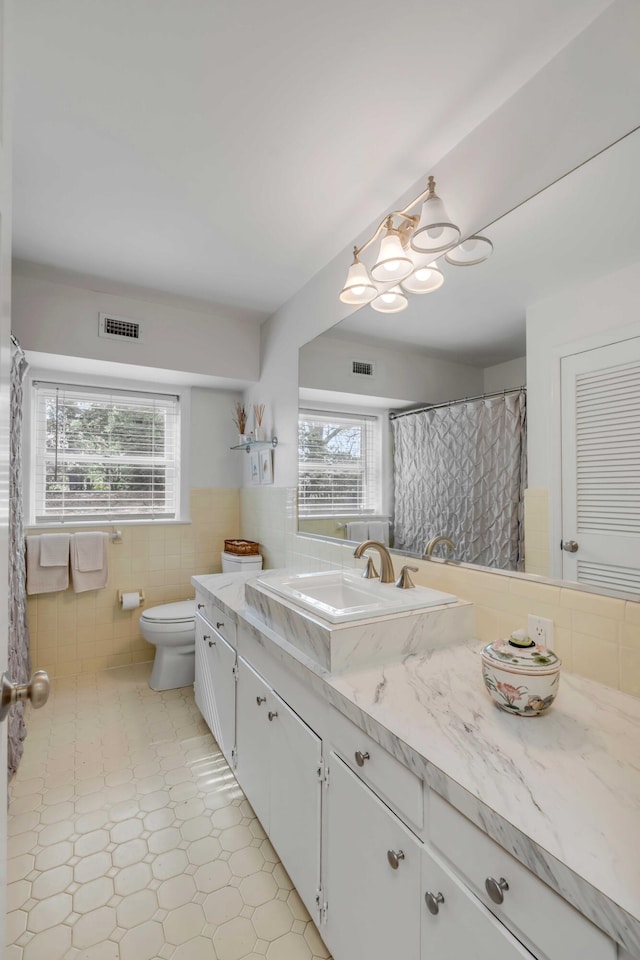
(104, 454)
(338, 464)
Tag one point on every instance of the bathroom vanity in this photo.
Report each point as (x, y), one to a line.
(415, 819)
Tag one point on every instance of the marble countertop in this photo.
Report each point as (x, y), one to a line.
(561, 791)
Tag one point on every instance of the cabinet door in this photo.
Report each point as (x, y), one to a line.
(373, 910)
(255, 699)
(296, 793)
(222, 661)
(462, 926)
(203, 684)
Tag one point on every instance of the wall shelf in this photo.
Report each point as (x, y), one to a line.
(249, 445)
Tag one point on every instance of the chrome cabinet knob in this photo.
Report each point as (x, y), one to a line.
(201, 606)
(570, 546)
(394, 857)
(206, 636)
(496, 888)
(272, 714)
(36, 690)
(361, 757)
(212, 643)
(219, 625)
(260, 700)
(433, 901)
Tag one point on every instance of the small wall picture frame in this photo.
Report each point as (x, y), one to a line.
(266, 466)
(255, 466)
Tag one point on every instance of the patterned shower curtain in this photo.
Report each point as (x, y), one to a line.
(460, 471)
(19, 660)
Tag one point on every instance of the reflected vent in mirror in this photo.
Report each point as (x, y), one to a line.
(362, 368)
(117, 328)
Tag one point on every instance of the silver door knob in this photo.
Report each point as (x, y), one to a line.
(433, 901)
(570, 546)
(495, 888)
(37, 691)
(201, 606)
(272, 714)
(212, 643)
(260, 700)
(219, 625)
(361, 757)
(394, 857)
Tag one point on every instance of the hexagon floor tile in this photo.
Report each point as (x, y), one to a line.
(130, 840)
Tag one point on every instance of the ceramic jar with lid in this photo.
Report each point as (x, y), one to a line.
(521, 675)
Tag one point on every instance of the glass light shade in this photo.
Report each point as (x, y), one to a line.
(435, 232)
(391, 301)
(426, 276)
(393, 262)
(471, 251)
(358, 288)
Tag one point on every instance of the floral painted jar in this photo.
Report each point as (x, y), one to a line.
(521, 675)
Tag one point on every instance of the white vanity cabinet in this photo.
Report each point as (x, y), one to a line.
(214, 687)
(280, 770)
(372, 874)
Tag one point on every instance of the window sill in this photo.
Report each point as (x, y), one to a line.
(107, 523)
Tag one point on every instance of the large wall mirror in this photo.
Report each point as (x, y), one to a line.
(440, 421)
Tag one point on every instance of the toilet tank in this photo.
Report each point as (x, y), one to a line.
(236, 564)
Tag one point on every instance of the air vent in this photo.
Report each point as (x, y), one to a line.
(362, 368)
(117, 328)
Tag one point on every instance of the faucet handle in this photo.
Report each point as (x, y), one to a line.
(404, 581)
(370, 572)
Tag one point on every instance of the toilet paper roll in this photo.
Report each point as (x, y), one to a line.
(130, 601)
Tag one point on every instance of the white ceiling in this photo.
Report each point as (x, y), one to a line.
(227, 150)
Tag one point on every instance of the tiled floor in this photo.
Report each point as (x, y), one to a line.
(129, 838)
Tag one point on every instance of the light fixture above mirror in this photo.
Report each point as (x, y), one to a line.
(405, 261)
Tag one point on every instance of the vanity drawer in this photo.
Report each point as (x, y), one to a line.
(218, 619)
(554, 929)
(394, 783)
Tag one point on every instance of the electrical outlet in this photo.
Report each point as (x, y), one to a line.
(540, 629)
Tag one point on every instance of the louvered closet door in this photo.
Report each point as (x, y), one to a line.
(601, 466)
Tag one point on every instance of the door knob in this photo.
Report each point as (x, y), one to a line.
(260, 700)
(495, 888)
(570, 546)
(361, 757)
(433, 901)
(201, 606)
(37, 691)
(394, 857)
(272, 714)
(212, 643)
(219, 625)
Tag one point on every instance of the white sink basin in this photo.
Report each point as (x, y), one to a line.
(338, 596)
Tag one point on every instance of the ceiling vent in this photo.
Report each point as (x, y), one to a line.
(362, 368)
(117, 328)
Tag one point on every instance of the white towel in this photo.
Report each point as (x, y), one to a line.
(358, 531)
(95, 578)
(54, 549)
(379, 530)
(43, 579)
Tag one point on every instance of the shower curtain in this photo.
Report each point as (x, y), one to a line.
(19, 660)
(460, 471)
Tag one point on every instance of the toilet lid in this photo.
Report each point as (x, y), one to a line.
(178, 612)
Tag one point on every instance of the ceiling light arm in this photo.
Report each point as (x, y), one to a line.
(409, 220)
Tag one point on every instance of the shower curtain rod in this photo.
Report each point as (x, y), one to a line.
(452, 403)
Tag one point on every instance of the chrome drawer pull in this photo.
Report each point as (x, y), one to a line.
(394, 857)
(260, 700)
(212, 643)
(495, 888)
(219, 625)
(206, 636)
(361, 757)
(272, 714)
(433, 901)
(201, 606)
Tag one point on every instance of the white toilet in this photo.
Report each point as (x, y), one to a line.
(232, 563)
(171, 627)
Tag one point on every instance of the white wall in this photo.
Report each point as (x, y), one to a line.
(213, 464)
(56, 318)
(505, 376)
(585, 98)
(326, 364)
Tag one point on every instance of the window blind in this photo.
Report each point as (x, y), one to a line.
(338, 464)
(104, 454)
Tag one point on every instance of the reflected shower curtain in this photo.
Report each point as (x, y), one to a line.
(460, 471)
(19, 660)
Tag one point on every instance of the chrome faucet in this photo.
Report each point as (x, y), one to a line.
(387, 574)
(433, 543)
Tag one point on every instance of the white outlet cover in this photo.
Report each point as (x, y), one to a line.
(540, 629)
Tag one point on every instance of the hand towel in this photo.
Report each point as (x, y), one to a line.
(88, 551)
(54, 549)
(94, 579)
(379, 530)
(43, 579)
(358, 531)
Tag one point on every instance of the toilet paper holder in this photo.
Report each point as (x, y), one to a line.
(121, 594)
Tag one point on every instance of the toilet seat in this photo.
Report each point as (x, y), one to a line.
(184, 611)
